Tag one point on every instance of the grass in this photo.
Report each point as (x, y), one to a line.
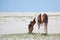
(30, 36)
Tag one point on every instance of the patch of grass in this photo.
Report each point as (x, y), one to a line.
(31, 36)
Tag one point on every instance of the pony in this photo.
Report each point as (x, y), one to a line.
(40, 20)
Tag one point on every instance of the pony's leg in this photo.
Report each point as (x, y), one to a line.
(38, 27)
(45, 28)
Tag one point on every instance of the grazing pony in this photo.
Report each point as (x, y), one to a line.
(40, 20)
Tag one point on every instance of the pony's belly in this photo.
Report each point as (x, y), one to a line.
(42, 22)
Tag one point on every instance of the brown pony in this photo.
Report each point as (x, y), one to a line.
(40, 20)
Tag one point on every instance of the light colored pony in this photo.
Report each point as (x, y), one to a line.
(40, 20)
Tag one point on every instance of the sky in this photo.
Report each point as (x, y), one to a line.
(29, 5)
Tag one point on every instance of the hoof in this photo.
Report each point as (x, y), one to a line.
(43, 34)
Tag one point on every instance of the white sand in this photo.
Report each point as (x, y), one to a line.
(11, 25)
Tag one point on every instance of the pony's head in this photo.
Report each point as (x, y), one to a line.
(30, 26)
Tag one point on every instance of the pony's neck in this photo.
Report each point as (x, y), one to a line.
(34, 21)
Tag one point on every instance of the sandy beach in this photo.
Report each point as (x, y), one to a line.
(11, 22)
